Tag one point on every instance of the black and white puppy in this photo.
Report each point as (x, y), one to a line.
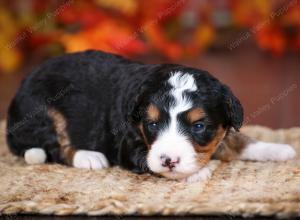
(93, 110)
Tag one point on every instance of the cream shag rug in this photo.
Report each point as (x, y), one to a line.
(236, 188)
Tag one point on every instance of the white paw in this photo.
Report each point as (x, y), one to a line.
(35, 156)
(262, 151)
(202, 175)
(90, 160)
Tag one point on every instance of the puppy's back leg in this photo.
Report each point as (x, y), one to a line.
(30, 132)
(70, 154)
(239, 146)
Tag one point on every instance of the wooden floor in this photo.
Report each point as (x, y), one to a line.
(268, 87)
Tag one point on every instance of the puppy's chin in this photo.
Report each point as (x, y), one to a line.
(178, 175)
(175, 175)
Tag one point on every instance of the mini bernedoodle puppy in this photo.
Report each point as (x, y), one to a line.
(94, 110)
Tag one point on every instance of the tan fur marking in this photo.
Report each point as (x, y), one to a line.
(232, 145)
(205, 152)
(60, 125)
(195, 115)
(144, 136)
(153, 113)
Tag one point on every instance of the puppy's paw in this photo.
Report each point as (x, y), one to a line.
(262, 151)
(35, 156)
(90, 160)
(202, 175)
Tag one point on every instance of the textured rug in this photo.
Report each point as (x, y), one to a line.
(236, 188)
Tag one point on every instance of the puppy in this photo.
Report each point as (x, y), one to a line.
(94, 110)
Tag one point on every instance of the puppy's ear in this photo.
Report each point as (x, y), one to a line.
(234, 112)
(136, 105)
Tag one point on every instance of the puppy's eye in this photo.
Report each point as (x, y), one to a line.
(152, 126)
(198, 127)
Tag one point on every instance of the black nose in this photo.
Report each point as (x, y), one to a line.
(168, 162)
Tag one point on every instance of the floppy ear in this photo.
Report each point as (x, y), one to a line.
(139, 99)
(135, 108)
(234, 112)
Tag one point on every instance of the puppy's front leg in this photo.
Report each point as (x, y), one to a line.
(89, 160)
(239, 146)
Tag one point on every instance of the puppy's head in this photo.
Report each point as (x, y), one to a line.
(185, 117)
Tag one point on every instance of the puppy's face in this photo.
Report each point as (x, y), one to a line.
(183, 124)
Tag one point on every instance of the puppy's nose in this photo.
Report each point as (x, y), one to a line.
(169, 162)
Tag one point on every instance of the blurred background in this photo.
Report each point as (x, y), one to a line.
(253, 46)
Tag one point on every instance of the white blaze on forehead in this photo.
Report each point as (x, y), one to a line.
(181, 83)
(170, 142)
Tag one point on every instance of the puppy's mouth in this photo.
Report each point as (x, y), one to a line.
(174, 169)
